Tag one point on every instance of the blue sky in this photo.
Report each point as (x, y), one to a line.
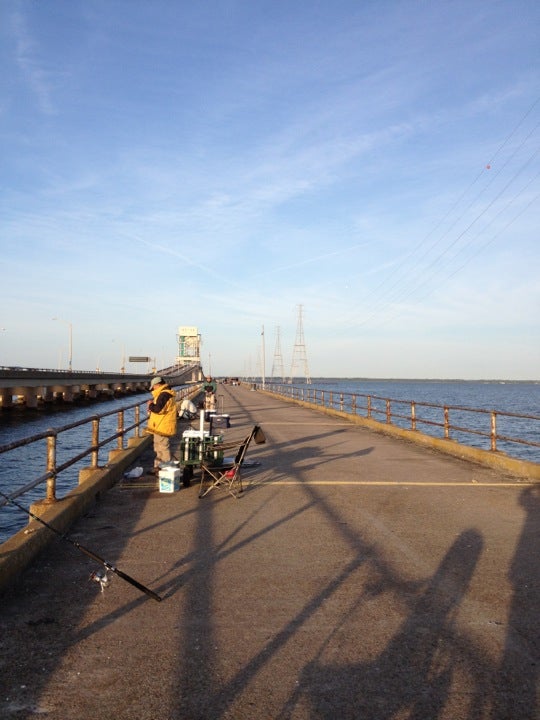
(221, 163)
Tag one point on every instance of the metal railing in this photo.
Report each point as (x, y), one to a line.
(96, 443)
(494, 430)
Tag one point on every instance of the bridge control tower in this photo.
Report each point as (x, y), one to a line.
(189, 346)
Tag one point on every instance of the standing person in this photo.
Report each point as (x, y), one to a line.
(210, 388)
(210, 385)
(161, 419)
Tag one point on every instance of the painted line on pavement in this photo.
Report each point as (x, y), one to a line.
(266, 423)
(390, 483)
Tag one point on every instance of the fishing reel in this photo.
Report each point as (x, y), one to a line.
(101, 577)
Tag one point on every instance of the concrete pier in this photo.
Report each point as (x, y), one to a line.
(359, 576)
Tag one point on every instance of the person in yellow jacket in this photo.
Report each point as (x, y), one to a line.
(162, 415)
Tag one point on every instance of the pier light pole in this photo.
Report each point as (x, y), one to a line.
(122, 358)
(70, 326)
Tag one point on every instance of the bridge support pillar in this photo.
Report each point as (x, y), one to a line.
(48, 395)
(30, 398)
(89, 391)
(6, 397)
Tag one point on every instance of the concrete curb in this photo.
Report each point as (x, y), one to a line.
(21, 549)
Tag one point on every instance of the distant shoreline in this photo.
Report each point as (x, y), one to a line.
(501, 381)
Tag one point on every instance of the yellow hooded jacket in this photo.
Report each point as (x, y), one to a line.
(163, 422)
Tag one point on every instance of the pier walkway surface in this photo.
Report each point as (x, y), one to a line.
(359, 576)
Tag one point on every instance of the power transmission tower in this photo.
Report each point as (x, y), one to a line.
(299, 356)
(277, 364)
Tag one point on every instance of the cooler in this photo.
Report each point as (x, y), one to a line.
(195, 446)
(190, 445)
(220, 421)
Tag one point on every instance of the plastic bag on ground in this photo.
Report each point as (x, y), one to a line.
(134, 473)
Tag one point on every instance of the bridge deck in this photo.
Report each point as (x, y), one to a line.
(358, 577)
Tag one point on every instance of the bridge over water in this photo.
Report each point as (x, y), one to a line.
(32, 386)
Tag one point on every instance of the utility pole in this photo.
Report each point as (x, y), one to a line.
(277, 364)
(299, 356)
(70, 350)
(263, 361)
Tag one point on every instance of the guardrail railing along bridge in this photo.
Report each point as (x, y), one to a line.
(494, 430)
(47, 446)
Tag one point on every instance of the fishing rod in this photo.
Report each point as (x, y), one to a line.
(89, 553)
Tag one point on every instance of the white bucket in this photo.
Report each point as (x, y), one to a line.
(169, 480)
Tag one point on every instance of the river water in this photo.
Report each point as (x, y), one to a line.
(518, 397)
(23, 465)
(522, 398)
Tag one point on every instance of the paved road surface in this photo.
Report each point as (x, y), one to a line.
(358, 577)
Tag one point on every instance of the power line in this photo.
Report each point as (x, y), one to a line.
(461, 235)
(486, 168)
(400, 290)
(477, 251)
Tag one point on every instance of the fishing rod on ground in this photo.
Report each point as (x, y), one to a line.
(108, 566)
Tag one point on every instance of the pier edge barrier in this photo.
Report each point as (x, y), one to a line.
(487, 458)
(17, 553)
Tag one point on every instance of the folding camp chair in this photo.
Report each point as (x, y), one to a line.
(227, 476)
